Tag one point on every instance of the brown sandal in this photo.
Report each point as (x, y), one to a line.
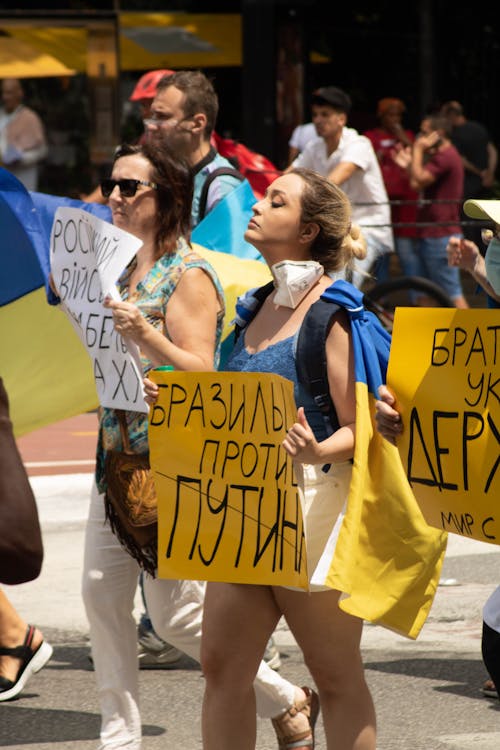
(288, 737)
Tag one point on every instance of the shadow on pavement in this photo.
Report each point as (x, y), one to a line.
(462, 677)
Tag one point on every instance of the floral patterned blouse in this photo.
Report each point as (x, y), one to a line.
(151, 297)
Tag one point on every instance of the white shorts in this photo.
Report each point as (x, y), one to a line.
(324, 496)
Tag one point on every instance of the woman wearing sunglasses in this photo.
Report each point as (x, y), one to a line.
(172, 307)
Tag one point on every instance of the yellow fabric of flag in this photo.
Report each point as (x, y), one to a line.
(387, 559)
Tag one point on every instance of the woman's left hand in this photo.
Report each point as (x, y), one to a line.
(300, 442)
(127, 318)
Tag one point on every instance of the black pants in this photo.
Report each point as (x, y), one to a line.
(490, 647)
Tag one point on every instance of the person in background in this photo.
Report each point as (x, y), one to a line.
(387, 140)
(435, 169)
(302, 218)
(490, 644)
(462, 253)
(348, 160)
(183, 115)
(23, 143)
(23, 650)
(144, 93)
(466, 254)
(389, 424)
(479, 157)
(299, 139)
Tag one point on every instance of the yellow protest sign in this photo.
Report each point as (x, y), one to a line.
(228, 504)
(444, 368)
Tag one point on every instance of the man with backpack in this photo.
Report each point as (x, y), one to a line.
(183, 114)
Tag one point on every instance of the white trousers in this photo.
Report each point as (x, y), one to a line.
(109, 584)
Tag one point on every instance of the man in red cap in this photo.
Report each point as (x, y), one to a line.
(183, 116)
(145, 91)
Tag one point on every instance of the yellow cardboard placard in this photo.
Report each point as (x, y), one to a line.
(228, 504)
(445, 370)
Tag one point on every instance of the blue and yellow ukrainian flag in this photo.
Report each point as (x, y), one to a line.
(387, 560)
(46, 371)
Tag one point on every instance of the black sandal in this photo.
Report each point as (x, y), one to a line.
(32, 661)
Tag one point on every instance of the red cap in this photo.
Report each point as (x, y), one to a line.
(145, 87)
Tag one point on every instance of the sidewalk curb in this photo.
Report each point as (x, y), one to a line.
(62, 499)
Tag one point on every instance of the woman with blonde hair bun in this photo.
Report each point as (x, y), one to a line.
(302, 227)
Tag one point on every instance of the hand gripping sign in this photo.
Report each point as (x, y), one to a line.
(445, 370)
(87, 256)
(228, 504)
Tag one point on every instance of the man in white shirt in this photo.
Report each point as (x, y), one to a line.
(299, 139)
(348, 160)
(23, 143)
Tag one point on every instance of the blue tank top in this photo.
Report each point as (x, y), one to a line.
(279, 359)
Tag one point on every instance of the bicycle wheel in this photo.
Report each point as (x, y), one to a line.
(383, 298)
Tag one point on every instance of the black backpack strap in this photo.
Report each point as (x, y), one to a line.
(211, 176)
(310, 358)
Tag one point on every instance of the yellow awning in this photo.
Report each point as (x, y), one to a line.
(179, 40)
(147, 41)
(20, 60)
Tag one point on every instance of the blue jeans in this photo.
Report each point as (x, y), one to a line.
(427, 257)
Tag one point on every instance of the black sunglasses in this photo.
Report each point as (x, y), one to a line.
(128, 187)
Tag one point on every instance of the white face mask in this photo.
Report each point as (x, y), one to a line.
(293, 279)
(492, 263)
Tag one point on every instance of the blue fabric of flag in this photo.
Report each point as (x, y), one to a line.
(371, 341)
(26, 220)
(223, 227)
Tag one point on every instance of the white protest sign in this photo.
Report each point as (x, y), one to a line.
(87, 256)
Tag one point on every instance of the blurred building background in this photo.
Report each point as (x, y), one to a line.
(80, 60)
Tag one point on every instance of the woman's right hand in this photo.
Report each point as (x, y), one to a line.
(387, 419)
(151, 391)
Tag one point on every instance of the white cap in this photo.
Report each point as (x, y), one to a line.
(477, 209)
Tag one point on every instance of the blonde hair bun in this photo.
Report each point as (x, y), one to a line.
(355, 243)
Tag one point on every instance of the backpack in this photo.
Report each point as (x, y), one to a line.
(211, 176)
(310, 356)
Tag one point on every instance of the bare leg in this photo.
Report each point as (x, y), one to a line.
(237, 623)
(330, 640)
(12, 633)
